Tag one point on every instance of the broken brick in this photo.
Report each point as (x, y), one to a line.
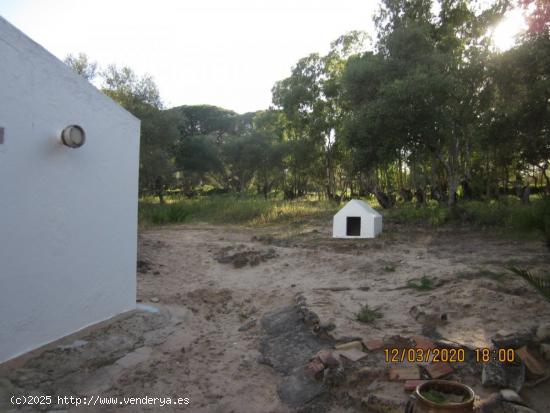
(315, 368)
(437, 370)
(423, 342)
(410, 385)
(358, 345)
(374, 344)
(353, 354)
(533, 365)
(328, 358)
(404, 373)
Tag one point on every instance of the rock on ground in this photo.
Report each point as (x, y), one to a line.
(287, 345)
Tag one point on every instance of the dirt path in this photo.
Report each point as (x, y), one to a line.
(212, 285)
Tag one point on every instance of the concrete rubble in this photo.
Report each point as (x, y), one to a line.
(503, 375)
(359, 368)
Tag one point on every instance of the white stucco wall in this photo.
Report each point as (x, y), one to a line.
(371, 220)
(68, 217)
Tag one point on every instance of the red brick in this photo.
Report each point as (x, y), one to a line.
(533, 365)
(315, 368)
(328, 358)
(404, 373)
(374, 344)
(437, 370)
(410, 385)
(423, 342)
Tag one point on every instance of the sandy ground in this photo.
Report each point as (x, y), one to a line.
(203, 343)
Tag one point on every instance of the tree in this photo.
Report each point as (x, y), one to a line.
(159, 132)
(82, 65)
(420, 95)
(521, 82)
(203, 132)
(538, 16)
(207, 120)
(310, 100)
(129, 90)
(269, 131)
(196, 157)
(157, 159)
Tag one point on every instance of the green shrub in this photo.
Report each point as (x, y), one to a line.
(368, 315)
(541, 284)
(486, 214)
(439, 216)
(508, 213)
(535, 217)
(431, 213)
(426, 284)
(543, 212)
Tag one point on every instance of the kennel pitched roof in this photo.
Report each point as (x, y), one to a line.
(356, 206)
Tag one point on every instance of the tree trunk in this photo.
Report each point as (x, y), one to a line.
(506, 179)
(453, 186)
(159, 189)
(543, 170)
(266, 187)
(453, 180)
(399, 172)
(419, 195)
(525, 195)
(328, 174)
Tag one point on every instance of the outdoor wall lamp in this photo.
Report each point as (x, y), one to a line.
(73, 136)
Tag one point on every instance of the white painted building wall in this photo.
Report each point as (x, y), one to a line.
(371, 220)
(68, 217)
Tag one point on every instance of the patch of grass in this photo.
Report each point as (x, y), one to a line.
(162, 214)
(368, 315)
(230, 209)
(389, 268)
(508, 213)
(541, 284)
(482, 273)
(426, 283)
(295, 211)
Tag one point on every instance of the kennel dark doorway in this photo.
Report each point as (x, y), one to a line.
(353, 226)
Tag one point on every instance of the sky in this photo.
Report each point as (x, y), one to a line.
(504, 34)
(227, 53)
